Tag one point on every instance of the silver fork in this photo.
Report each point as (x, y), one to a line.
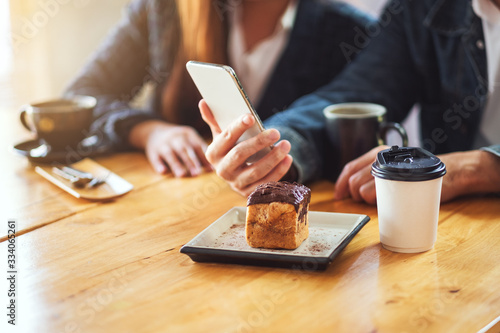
(96, 181)
(80, 179)
(73, 179)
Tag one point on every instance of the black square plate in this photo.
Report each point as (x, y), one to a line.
(224, 241)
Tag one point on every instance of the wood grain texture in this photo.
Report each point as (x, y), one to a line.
(116, 267)
(23, 187)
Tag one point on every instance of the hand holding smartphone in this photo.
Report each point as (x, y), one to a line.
(221, 89)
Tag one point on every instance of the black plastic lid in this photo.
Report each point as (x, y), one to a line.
(409, 164)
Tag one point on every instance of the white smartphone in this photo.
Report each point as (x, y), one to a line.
(221, 89)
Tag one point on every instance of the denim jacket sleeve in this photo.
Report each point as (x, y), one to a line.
(364, 80)
(494, 149)
(115, 74)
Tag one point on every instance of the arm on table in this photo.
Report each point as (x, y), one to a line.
(469, 172)
(116, 74)
(303, 124)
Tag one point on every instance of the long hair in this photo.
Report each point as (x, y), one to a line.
(203, 37)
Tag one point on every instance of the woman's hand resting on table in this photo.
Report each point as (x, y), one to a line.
(179, 149)
(228, 158)
(469, 172)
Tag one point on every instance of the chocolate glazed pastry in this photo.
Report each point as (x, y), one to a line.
(277, 215)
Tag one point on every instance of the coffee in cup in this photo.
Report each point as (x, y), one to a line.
(356, 128)
(59, 123)
(408, 183)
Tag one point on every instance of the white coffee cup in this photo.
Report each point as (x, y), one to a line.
(408, 184)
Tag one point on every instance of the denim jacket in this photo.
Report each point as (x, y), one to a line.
(425, 52)
(137, 52)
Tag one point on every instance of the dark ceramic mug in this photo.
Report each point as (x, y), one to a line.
(356, 128)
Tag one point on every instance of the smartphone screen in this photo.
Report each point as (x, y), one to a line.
(221, 89)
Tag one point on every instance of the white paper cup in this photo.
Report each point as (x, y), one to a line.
(408, 184)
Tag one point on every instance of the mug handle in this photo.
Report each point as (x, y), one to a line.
(385, 127)
(22, 117)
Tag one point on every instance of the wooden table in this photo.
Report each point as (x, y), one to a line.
(115, 267)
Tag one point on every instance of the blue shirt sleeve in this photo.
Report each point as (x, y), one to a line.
(495, 149)
(366, 79)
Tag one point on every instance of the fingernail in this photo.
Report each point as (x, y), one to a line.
(273, 135)
(247, 120)
(284, 146)
(179, 173)
(195, 171)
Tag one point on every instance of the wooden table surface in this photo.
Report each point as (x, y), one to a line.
(116, 267)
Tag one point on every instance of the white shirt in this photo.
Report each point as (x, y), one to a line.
(490, 15)
(255, 66)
